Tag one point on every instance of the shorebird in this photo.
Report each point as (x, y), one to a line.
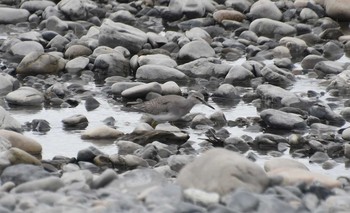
(170, 107)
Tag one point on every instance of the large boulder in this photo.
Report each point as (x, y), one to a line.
(224, 171)
(271, 28)
(40, 63)
(113, 34)
(13, 16)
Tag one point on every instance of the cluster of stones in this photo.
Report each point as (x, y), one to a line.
(52, 44)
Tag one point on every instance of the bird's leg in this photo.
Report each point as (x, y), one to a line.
(154, 123)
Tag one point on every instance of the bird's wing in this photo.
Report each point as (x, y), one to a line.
(155, 106)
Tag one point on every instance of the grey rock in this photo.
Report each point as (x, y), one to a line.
(337, 10)
(77, 64)
(7, 83)
(324, 112)
(170, 88)
(76, 10)
(226, 93)
(118, 87)
(148, 152)
(319, 157)
(240, 5)
(229, 170)
(8, 122)
(201, 197)
(339, 83)
(277, 163)
(114, 34)
(127, 147)
(156, 59)
(77, 50)
(241, 201)
(18, 174)
(25, 96)
(84, 176)
(104, 179)
(345, 112)
(55, 24)
(197, 33)
(123, 16)
(237, 142)
(112, 64)
(156, 40)
(324, 68)
(177, 162)
(310, 61)
(268, 141)
(265, 9)
(75, 122)
(204, 67)
(161, 196)
(346, 134)
(137, 180)
(333, 50)
(307, 13)
(296, 46)
(276, 97)
(274, 205)
(238, 76)
(195, 50)
(277, 76)
(91, 103)
(13, 15)
(88, 154)
(218, 118)
(271, 28)
(44, 184)
(281, 120)
(141, 91)
(58, 42)
(40, 63)
(33, 6)
(159, 73)
(23, 48)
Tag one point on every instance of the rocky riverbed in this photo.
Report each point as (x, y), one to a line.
(277, 73)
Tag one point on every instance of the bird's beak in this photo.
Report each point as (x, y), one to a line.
(205, 103)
